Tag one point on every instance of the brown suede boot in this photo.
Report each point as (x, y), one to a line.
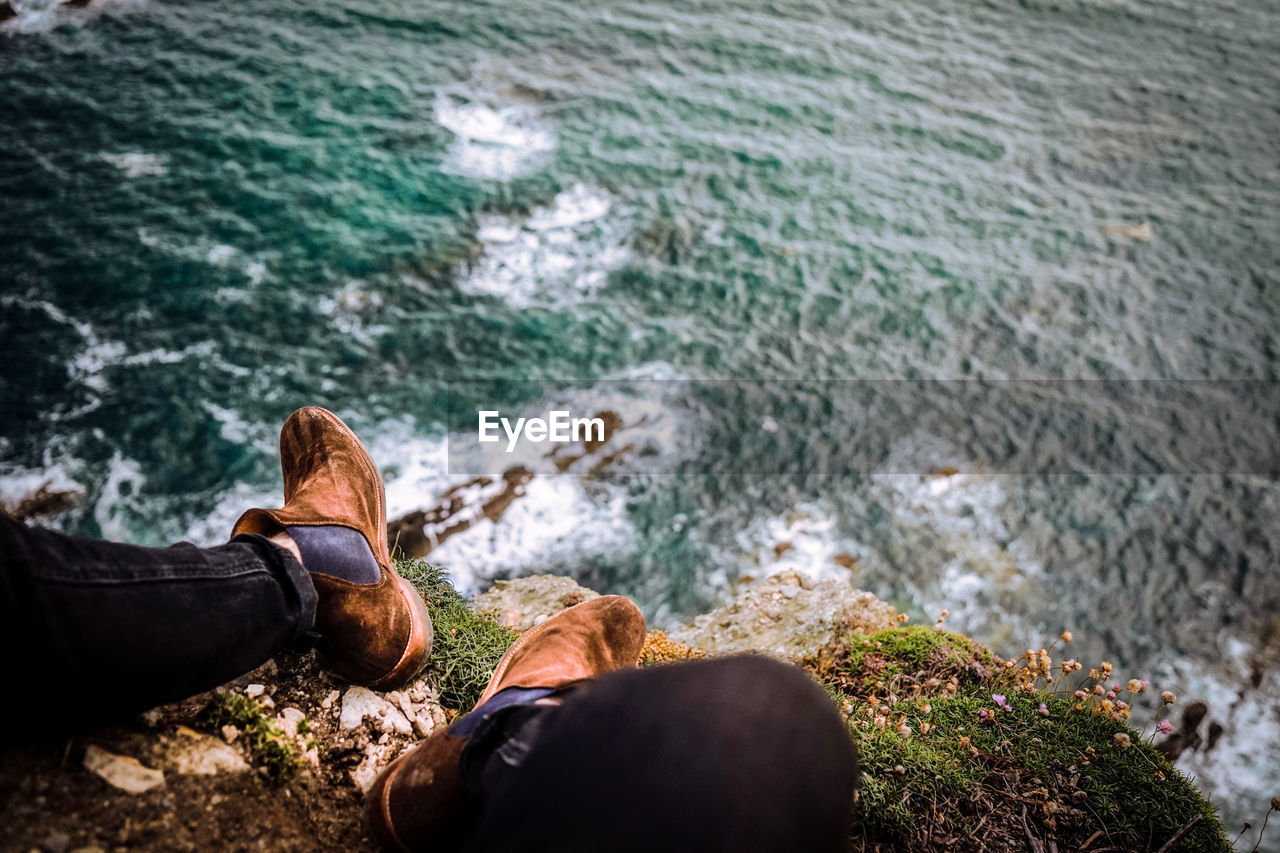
(377, 634)
(419, 802)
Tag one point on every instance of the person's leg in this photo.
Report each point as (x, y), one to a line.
(95, 627)
(726, 755)
(573, 749)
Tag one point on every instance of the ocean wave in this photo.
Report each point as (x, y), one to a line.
(557, 521)
(496, 143)
(18, 483)
(350, 308)
(561, 252)
(137, 164)
(123, 481)
(214, 526)
(41, 16)
(805, 539)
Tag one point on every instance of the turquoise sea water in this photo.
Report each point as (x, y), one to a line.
(213, 214)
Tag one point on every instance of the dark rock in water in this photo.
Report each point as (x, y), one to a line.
(417, 533)
(76, 4)
(45, 500)
(7, 11)
(1194, 715)
(1187, 737)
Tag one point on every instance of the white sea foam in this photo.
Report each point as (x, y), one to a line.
(961, 514)
(55, 313)
(40, 16)
(236, 430)
(560, 252)
(804, 540)
(18, 483)
(653, 370)
(561, 520)
(136, 164)
(221, 253)
(213, 527)
(87, 365)
(493, 142)
(556, 523)
(349, 308)
(123, 482)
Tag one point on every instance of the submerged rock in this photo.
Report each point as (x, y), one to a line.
(45, 500)
(788, 615)
(7, 11)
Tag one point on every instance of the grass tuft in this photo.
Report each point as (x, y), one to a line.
(467, 645)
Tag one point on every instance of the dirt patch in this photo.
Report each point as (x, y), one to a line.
(50, 801)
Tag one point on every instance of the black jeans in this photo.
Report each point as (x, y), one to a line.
(103, 628)
(718, 756)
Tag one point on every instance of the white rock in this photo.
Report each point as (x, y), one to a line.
(328, 701)
(375, 758)
(253, 691)
(122, 772)
(360, 703)
(230, 733)
(289, 719)
(191, 753)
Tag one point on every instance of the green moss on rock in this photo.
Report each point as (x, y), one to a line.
(904, 661)
(945, 767)
(268, 744)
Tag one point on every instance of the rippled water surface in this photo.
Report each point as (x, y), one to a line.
(214, 213)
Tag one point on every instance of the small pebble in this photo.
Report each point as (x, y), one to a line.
(56, 842)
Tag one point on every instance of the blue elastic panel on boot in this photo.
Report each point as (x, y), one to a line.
(503, 699)
(341, 552)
